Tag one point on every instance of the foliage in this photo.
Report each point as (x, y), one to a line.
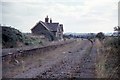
(100, 35)
(30, 40)
(75, 35)
(112, 55)
(10, 37)
(118, 30)
(116, 40)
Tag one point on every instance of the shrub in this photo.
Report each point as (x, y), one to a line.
(100, 35)
(10, 37)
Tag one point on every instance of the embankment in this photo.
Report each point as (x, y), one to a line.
(14, 53)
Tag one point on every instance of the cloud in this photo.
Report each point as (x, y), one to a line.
(76, 15)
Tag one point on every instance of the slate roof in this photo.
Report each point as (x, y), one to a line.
(53, 26)
(49, 26)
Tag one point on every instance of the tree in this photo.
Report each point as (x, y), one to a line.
(100, 35)
(117, 28)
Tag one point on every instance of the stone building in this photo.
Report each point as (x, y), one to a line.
(52, 31)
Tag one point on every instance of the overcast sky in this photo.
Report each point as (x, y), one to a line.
(76, 15)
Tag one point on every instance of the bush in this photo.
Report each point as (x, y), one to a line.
(113, 42)
(100, 35)
(112, 47)
(10, 37)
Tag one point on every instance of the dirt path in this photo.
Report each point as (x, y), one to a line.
(72, 60)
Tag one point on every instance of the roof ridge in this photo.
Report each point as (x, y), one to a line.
(44, 25)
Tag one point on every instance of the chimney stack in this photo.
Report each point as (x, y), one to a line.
(46, 19)
(50, 20)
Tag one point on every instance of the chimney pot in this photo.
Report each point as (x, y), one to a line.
(50, 20)
(47, 19)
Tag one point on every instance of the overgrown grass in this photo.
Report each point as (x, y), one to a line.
(32, 41)
(108, 62)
